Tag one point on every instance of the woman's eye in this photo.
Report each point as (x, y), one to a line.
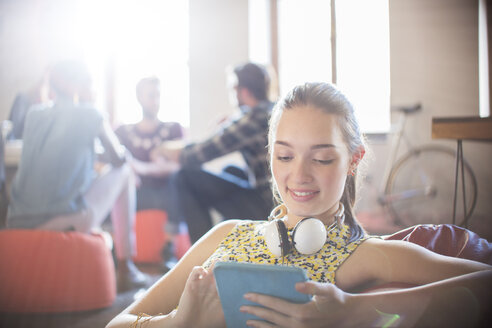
(284, 158)
(324, 161)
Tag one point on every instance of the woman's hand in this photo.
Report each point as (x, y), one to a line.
(330, 306)
(199, 305)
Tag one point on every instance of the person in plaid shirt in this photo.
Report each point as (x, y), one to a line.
(233, 193)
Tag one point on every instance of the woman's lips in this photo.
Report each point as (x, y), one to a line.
(302, 195)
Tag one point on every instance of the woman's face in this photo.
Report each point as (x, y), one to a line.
(310, 163)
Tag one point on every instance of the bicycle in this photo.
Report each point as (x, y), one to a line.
(418, 187)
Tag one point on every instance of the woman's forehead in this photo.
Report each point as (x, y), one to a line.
(308, 123)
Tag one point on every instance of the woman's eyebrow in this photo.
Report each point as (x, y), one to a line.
(283, 143)
(321, 146)
(314, 147)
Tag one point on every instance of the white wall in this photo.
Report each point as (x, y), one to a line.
(218, 38)
(434, 60)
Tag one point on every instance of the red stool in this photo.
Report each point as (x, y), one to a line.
(150, 231)
(50, 271)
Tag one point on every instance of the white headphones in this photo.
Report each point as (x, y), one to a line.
(308, 237)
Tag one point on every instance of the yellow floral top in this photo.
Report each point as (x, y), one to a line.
(245, 243)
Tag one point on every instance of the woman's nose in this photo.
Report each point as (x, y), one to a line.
(301, 172)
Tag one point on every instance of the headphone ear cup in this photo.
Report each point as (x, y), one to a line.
(276, 238)
(309, 236)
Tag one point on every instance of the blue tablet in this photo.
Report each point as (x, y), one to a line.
(235, 279)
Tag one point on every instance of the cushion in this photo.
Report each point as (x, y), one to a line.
(151, 237)
(50, 271)
(444, 239)
(447, 239)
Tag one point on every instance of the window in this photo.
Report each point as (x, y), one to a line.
(136, 39)
(362, 51)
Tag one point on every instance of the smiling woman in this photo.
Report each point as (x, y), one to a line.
(314, 174)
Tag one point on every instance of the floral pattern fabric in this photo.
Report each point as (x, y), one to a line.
(245, 243)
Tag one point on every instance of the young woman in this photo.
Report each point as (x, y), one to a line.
(315, 147)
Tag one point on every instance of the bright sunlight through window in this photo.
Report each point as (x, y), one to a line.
(362, 59)
(136, 39)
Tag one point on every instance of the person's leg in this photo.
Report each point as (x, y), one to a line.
(156, 196)
(115, 192)
(150, 197)
(100, 198)
(196, 192)
(245, 204)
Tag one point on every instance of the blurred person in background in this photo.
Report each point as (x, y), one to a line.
(233, 193)
(152, 175)
(57, 187)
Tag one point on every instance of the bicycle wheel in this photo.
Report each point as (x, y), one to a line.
(420, 187)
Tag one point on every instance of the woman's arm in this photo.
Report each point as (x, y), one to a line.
(164, 296)
(454, 292)
(463, 301)
(384, 261)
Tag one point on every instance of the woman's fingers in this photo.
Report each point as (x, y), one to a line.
(323, 307)
(271, 302)
(278, 311)
(272, 318)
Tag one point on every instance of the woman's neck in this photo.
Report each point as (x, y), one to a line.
(328, 219)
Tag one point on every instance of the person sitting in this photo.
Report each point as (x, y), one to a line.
(232, 193)
(314, 176)
(57, 187)
(141, 139)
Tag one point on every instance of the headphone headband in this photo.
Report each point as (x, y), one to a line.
(308, 236)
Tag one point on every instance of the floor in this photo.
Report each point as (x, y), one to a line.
(88, 319)
(376, 222)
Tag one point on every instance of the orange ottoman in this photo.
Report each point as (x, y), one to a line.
(151, 236)
(50, 271)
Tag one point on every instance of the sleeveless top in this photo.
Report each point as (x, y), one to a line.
(245, 243)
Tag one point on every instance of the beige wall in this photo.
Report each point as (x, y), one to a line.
(434, 60)
(218, 38)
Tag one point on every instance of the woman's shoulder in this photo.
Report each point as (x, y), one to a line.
(230, 229)
(226, 227)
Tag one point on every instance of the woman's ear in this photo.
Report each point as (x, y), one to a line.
(357, 156)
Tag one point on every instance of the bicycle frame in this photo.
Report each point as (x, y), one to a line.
(396, 138)
(428, 190)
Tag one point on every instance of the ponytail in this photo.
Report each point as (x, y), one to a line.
(348, 201)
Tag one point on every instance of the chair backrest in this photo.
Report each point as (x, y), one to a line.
(447, 239)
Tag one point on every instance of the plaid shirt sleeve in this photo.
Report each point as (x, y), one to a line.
(248, 129)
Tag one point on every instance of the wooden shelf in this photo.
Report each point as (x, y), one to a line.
(462, 128)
